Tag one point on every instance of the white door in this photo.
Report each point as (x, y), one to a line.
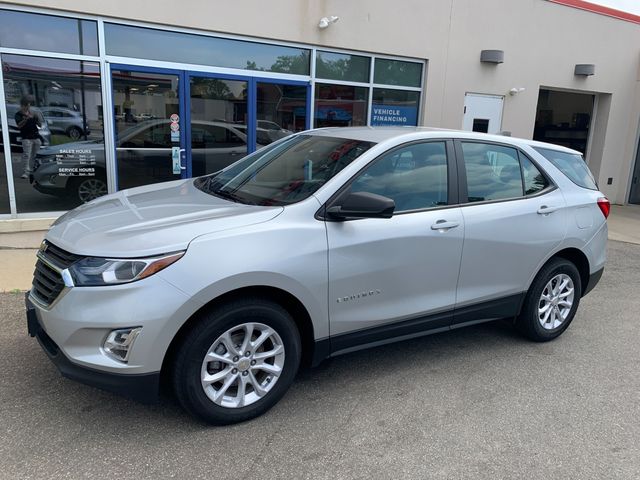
(482, 113)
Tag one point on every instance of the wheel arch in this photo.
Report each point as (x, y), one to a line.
(285, 299)
(573, 255)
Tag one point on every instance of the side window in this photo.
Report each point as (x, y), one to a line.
(534, 181)
(415, 176)
(225, 138)
(493, 172)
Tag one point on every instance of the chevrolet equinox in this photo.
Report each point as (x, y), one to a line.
(322, 243)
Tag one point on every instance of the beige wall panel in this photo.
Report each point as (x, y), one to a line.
(542, 43)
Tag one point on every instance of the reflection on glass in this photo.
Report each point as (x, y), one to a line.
(34, 31)
(340, 106)
(282, 110)
(154, 44)
(394, 107)
(397, 72)
(148, 126)
(340, 66)
(218, 123)
(4, 188)
(58, 154)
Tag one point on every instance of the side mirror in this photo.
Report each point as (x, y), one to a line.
(361, 205)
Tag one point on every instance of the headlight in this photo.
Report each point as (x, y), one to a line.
(93, 271)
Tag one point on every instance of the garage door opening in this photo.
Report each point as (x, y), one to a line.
(564, 118)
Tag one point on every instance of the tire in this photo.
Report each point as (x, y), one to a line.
(192, 375)
(74, 133)
(86, 189)
(541, 319)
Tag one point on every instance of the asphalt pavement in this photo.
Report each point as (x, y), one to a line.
(479, 402)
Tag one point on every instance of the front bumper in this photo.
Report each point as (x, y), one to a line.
(141, 387)
(72, 331)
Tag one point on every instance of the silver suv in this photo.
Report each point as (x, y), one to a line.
(320, 244)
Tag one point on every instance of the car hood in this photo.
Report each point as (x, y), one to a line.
(150, 220)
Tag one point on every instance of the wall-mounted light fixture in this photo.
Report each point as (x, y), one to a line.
(492, 56)
(326, 21)
(516, 90)
(584, 69)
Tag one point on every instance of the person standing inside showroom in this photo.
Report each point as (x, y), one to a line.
(28, 122)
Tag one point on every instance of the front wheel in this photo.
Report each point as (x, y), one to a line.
(552, 301)
(237, 361)
(86, 189)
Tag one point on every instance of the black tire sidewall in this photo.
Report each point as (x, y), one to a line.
(528, 320)
(212, 325)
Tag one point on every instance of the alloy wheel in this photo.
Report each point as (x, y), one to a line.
(242, 365)
(91, 189)
(556, 301)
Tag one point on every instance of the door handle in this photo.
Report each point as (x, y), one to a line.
(546, 210)
(183, 151)
(443, 225)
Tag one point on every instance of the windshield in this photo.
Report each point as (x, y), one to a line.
(285, 172)
(572, 165)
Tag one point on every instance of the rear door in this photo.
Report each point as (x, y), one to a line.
(514, 216)
(397, 276)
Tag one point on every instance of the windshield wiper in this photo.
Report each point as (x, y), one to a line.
(227, 195)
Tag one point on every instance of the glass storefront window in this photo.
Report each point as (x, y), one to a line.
(282, 110)
(340, 66)
(340, 106)
(54, 111)
(34, 31)
(4, 185)
(144, 104)
(397, 72)
(127, 41)
(218, 123)
(391, 107)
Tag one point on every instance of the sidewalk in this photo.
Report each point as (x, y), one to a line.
(18, 250)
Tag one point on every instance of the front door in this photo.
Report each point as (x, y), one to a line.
(149, 125)
(172, 124)
(396, 277)
(482, 113)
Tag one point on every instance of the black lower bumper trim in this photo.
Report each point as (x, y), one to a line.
(143, 388)
(594, 278)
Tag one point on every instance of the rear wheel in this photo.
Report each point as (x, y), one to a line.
(237, 361)
(552, 301)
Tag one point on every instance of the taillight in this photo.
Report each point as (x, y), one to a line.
(605, 206)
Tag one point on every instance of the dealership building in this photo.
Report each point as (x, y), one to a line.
(132, 93)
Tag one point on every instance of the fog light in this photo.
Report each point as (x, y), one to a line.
(119, 342)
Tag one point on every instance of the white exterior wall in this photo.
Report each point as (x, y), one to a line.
(542, 42)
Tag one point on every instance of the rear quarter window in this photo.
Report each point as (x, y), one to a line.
(572, 165)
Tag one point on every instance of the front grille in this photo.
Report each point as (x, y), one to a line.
(47, 282)
(59, 257)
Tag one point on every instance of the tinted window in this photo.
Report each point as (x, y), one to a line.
(534, 181)
(284, 172)
(34, 31)
(415, 176)
(67, 158)
(340, 106)
(392, 107)
(397, 72)
(340, 66)
(493, 172)
(154, 44)
(572, 165)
